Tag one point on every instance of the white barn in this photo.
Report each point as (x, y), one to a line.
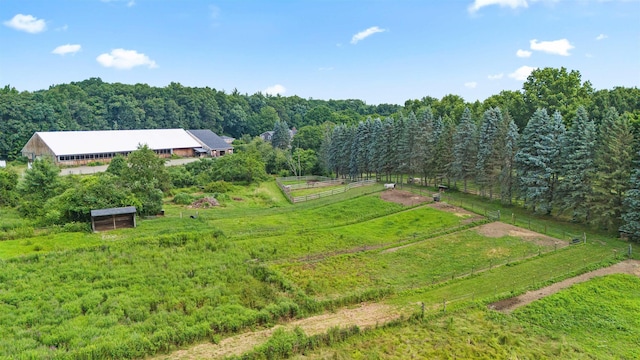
(82, 147)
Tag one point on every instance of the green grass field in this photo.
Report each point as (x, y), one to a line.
(257, 260)
(593, 320)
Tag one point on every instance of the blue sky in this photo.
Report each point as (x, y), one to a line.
(377, 51)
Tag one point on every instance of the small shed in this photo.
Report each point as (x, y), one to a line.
(113, 218)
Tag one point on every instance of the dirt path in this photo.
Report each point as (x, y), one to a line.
(364, 315)
(508, 305)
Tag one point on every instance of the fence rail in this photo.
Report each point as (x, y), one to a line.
(320, 181)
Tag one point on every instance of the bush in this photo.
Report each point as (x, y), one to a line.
(220, 186)
(183, 199)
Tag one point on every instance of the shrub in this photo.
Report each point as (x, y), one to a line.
(183, 199)
(220, 186)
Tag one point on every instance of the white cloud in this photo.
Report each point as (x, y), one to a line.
(125, 59)
(601, 37)
(328, 68)
(65, 27)
(366, 33)
(514, 4)
(131, 3)
(275, 89)
(66, 49)
(523, 53)
(471, 84)
(556, 47)
(522, 73)
(27, 23)
(495, 77)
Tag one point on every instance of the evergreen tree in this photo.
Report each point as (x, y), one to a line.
(425, 147)
(465, 148)
(509, 152)
(376, 147)
(613, 161)
(631, 217)
(400, 162)
(281, 137)
(489, 159)
(413, 144)
(538, 160)
(578, 166)
(443, 154)
(388, 148)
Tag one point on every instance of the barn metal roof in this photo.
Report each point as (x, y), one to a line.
(210, 139)
(108, 141)
(114, 211)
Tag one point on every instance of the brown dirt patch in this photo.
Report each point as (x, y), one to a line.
(499, 229)
(205, 202)
(631, 267)
(405, 198)
(364, 315)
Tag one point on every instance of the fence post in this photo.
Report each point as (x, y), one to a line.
(444, 305)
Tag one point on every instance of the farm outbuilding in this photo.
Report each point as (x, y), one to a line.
(113, 218)
(213, 144)
(82, 147)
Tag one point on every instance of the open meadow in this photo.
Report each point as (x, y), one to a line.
(203, 275)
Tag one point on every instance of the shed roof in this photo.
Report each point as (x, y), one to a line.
(107, 141)
(114, 211)
(210, 139)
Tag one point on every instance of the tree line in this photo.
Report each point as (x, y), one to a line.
(582, 172)
(96, 105)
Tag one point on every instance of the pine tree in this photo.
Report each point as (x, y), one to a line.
(508, 155)
(538, 160)
(465, 147)
(425, 149)
(281, 137)
(613, 161)
(444, 152)
(489, 157)
(388, 146)
(376, 147)
(401, 162)
(578, 166)
(631, 216)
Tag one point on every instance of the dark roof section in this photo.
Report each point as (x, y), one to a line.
(114, 211)
(210, 139)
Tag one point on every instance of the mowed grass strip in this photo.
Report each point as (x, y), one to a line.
(418, 265)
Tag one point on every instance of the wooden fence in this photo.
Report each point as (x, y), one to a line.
(286, 189)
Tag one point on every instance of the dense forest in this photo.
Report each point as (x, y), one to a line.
(95, 105)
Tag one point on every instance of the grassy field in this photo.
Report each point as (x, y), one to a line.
(204, 274)
(430, 261)
(593, 320)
